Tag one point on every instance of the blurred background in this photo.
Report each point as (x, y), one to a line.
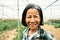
(11, 15)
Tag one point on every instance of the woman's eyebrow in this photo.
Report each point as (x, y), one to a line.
(36, 14)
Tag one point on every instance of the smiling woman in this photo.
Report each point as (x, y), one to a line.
(33, 18)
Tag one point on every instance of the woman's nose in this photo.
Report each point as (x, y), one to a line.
(32, 19)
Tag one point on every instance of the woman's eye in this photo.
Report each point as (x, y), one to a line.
(28, 17)
(35, 16)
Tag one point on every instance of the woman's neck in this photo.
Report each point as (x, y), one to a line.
(32, 31)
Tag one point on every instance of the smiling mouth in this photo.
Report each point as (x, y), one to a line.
(32, 25)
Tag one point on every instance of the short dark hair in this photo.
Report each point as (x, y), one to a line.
(25, 11)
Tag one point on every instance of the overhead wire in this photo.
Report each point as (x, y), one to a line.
(50, 4)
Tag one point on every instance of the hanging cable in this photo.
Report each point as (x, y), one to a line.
(51, 4)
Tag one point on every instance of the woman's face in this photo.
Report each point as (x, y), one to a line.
(32, 18)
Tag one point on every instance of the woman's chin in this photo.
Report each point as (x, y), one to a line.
(32, 27)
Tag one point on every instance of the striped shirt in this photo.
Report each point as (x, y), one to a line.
(41, 34)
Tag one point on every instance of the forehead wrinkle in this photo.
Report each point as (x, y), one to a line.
(35, 13)
(31, 14)
(33, 10)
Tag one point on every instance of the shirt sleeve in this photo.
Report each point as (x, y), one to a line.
(50, 36)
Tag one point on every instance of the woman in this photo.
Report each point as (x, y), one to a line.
(33, 18)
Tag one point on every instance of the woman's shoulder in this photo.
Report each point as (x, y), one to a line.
(25, 31)
(49, 35)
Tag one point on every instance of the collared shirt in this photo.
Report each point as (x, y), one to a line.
(39, 35)
(30, 37)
